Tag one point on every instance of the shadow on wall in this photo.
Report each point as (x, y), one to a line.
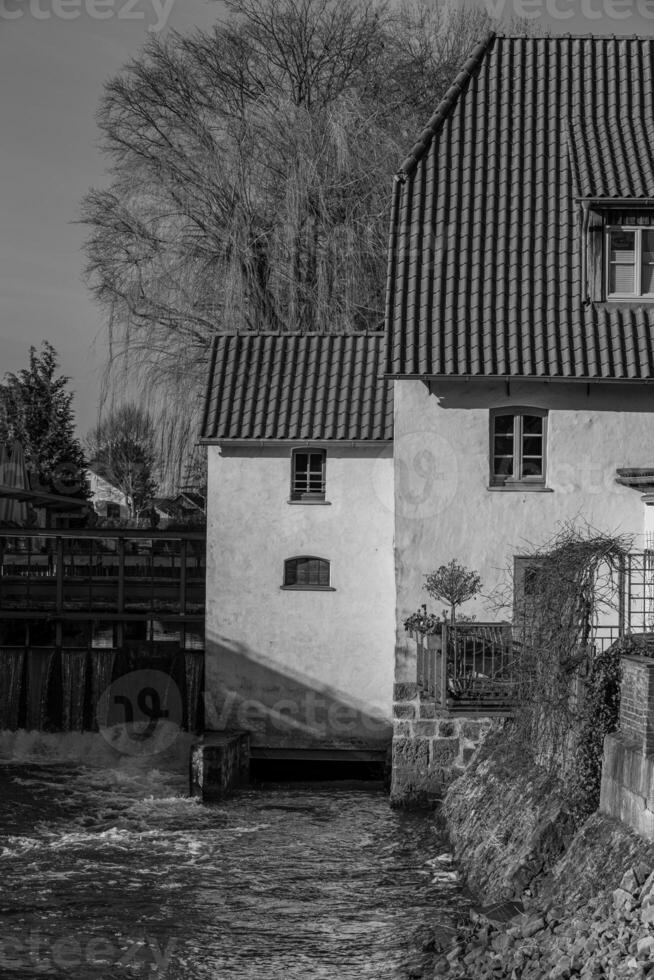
(282, 708)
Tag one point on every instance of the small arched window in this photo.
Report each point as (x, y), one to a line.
(306, 572)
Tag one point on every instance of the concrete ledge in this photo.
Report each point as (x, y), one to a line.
(219, 764)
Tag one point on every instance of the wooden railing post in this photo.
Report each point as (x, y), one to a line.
(120, 625)
(59, 597)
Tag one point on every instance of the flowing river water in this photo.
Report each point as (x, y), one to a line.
(114, 873)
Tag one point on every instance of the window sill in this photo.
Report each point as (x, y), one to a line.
(307, 588)
(628, 301)
(520, 488)
(312, 503)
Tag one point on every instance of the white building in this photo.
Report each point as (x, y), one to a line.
(300, 618)
(107, 500)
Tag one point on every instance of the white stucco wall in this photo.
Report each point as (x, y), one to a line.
(445, 510)
(300, 668)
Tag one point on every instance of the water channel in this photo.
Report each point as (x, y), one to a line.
(114, 873)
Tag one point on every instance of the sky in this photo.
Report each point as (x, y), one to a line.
(54, 57)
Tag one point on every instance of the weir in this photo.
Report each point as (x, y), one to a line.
(59, 690)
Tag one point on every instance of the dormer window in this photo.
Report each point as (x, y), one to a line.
(630, 262)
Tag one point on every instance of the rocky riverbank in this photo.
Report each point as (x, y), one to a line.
(554, 902)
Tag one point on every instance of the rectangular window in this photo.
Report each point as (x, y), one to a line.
(518, 447)
(308, 474)
(630, 253)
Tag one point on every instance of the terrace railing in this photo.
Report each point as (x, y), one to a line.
(469, 666)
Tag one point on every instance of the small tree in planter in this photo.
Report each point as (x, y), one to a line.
(453, 583)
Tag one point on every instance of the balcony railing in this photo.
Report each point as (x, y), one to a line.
(477, 665)
(469, 664)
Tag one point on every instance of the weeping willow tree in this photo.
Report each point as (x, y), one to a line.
(250, 181)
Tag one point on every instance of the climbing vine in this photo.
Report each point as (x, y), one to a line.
(568, 688)
(600, 708)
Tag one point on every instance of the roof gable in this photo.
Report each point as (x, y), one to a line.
(485, 263)
(298, 387)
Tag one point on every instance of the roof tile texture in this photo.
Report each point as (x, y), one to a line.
(299, 387)
(485, 274)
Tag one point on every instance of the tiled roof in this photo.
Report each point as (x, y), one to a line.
(293, 386)
(612, 159)
(485, 263)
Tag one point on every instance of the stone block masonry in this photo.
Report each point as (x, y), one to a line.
(431, 747)
(628, 766)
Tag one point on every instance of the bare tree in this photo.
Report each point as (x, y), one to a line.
(251, 175)
(122, 450)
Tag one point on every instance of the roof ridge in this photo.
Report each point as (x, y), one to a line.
(573, 37)
(444, 107)
(251, 334)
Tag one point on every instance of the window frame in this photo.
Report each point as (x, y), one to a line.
(533, 482)
(308, 496)
(638, 260)
(307, 586)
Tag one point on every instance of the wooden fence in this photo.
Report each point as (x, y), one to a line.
(98, 588)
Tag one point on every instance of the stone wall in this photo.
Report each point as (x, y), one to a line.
(431, 747)
(628, 766)
(506, 823)
(595, 918)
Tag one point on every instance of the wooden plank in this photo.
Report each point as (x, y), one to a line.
(105, 533)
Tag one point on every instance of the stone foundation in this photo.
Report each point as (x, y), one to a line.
(219, 764)
(431, 747)
(627, 791)
(628, 784)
